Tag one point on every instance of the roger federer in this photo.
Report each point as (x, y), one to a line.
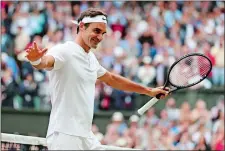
(73, 71)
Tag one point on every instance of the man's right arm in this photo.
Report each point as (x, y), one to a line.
(55, 58)
(47, 63)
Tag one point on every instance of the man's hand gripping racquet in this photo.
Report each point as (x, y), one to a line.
(188, 71)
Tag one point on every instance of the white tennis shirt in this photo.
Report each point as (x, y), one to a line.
(72, 84)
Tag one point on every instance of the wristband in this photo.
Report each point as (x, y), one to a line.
(37, 62)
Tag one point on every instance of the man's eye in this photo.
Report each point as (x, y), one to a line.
(97, 31)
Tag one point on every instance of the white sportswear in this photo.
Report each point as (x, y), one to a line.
(72, 84)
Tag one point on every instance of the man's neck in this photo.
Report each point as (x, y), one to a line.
(80, 42)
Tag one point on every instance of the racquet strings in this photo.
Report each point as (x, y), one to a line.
(189, 71)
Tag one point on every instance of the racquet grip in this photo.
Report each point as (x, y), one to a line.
(158, 96)
(149, 104)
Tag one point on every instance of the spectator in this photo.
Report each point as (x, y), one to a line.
(116, 129)
(218, 70)
(218, 139)
(21, 36)
(202, 136)
(28, 90)
(164, 121)
(200, 110)
(172, 110)
(172, 14)
(132, 131)
(147, 72)
(185, 142)
(6, 42)
(219, 122)
(201, 144)
(106, 98)
(150, 118)
(145, 136)
(160, 72)
(185, 112)
(10, 63)
(8, 87)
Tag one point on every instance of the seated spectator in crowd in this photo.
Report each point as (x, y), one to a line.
(8, 87)
(132, 131)
(185, 112)
(147, 72)
(218, 69)
(149, 118)
(115, 129)
(6, 41)
(28, 91)
(172, 110)
(185, 142)
(199, 111)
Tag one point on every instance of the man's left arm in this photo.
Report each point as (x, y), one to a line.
(121, 83)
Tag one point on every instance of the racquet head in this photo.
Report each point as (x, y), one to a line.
(189, 70)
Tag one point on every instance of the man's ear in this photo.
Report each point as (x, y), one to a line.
(81, 26)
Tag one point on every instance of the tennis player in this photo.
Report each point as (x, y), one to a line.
(73, 71)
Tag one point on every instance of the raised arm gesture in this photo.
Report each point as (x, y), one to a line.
(34, 53)
(38, 59)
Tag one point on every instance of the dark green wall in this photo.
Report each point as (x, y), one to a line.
(24, 122)
(29, 121)
(35, 122)
(210, 96)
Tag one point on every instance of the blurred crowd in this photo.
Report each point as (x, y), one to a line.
(143, 39)
(175, 128)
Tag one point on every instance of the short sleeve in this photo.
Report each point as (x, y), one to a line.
(101, 71)
(59, 54)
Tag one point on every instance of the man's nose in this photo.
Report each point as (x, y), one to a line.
(100, 37)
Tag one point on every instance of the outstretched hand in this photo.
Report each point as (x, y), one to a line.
(159, 90)
(34, 53)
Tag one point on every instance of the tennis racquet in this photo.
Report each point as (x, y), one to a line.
(188, 71)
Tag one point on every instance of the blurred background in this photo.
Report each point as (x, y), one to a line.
(143, 39)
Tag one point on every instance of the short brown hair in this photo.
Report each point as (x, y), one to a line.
(91, 12)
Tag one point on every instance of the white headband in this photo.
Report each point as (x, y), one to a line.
(88, 19)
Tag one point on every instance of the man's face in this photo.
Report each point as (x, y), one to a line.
(93, 34)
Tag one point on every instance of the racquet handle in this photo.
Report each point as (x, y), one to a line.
(158, 96)
(149, 104)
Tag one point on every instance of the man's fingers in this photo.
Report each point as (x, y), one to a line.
(35, 45)
(165, 91)
(44, 50)
(28, 50)
(164, 95)
(167, 88)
